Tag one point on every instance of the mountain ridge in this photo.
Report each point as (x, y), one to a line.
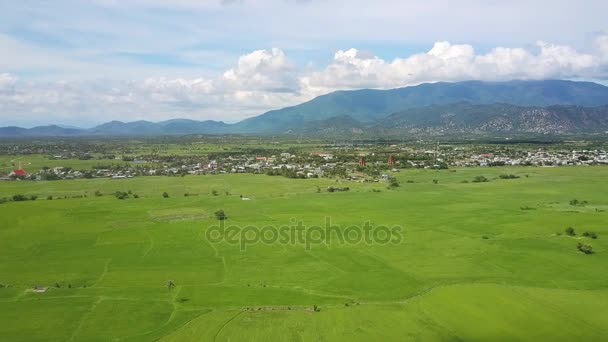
(561, 102)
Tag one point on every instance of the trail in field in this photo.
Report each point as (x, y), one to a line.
(84, 318)
(226, 323)
(103, 274)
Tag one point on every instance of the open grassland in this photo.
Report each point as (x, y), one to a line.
(473, 266)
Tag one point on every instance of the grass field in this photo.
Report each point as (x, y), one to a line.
(473, 266)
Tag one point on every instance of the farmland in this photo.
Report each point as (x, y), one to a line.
(479, 261)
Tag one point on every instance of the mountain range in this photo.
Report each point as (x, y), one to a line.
(549, 106)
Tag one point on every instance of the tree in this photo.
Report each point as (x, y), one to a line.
(590, 235)
(587, 249)
(480, 179)
(570, 231)
(165, 195)
(220, 215)
(19, 198)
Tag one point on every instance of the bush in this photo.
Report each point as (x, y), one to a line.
(19, 198)
(50, 198)
(220, 215)
(590, 235)
(165, 195)
(121, 195)
(98, 193)
(215, 193)
(334, 189)
(480, 179)
(570, 231)
(587, 249)
(509, 176)
(435, 181)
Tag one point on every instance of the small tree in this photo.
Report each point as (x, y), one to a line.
(587, 249)
(480, 179)
(165, 195)
(220, 215)
(570, 231)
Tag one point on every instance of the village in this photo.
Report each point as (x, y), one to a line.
(347, 162)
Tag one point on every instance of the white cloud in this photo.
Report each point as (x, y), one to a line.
(449, 62)
(267, 79)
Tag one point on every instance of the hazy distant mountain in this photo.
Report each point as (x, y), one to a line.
(468, 118)
(177, 126)
(40, 131)
(472, 106)
(370, 105)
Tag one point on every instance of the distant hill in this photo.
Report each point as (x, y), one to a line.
(177, 126)
(467, 118)
(472, 106)
(370, 105)
(40, 131)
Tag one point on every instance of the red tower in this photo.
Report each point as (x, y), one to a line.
(362, 162)
(391, 160)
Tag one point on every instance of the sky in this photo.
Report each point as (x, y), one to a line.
(85, 62)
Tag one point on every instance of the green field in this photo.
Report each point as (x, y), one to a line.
(473, 266)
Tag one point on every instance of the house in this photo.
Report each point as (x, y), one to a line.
(20, 173)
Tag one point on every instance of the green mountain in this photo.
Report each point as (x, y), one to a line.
(472, 106)
(466, 118)
(369, 105)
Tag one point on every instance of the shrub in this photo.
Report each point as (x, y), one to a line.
(508, 176)
(480, 179)
(19, 198)
(587, 249)
(165, 195)
(121, 195)
(435, 181)
(590, 235)
(220, 215)
(50, 198)
(570, 231)
(98, 193)
(215, 193)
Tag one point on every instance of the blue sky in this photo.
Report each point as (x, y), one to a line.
(86, 62)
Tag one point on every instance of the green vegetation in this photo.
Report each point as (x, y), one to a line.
(480, 179)
(473, 265)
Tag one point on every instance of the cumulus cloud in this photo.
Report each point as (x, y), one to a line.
(453, 62)
(267, 79)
